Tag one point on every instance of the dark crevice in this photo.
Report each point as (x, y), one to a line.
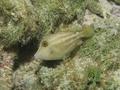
(25, 53)
(51, 63)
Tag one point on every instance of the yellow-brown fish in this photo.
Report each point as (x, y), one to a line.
(61, 44)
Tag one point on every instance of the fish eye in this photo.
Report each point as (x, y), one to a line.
(44, 43)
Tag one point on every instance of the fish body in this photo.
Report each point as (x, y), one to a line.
(59, 45)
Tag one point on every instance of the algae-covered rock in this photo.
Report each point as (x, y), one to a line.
(116, 1)
(6, 63)
(95, 65)
(19, 22)
(23, 20)
(95, 7)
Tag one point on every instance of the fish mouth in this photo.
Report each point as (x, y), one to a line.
(36, 56)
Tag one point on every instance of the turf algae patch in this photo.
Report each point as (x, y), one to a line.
(55, 12)
(94, 67)
(116, 1)
(23, 20)
(25, 77)
(97, 60)
(19, 23)
(6, 63)
(93, 77)
(95, 7)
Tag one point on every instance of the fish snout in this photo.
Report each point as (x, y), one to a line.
(36, 56)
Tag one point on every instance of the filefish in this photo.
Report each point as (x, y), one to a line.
(59, 45)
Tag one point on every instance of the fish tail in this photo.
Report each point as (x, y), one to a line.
(87, 31)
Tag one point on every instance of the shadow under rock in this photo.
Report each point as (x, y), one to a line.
(25, 53)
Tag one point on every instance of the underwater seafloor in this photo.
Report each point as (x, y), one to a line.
(95, 65)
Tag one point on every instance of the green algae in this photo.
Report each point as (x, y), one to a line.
(93, 77)
(95, 66)
(95, 7)
(29, 19)
(18, 25)
(116, 1)
(110, 44)
(97, 58)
